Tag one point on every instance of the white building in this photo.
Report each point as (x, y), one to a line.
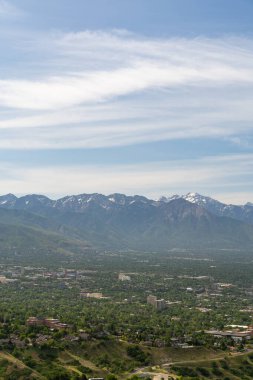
(123, 277)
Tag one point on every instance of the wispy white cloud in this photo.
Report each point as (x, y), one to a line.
(97, 89)
(8, 10)
(172, 64)
(131, 121)
(89, 87)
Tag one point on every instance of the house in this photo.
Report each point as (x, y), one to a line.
(84, 335)
(42, 339)
(14, 339)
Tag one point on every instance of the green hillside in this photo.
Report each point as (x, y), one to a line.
(18, 240)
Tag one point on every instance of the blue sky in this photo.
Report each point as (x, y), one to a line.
(149, 97)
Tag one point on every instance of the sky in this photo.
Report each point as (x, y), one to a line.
(149, 97)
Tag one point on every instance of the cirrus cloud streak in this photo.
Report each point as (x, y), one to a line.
(97, 89)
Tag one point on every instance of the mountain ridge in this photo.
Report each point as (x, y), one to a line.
(118, 221)
(80, 202)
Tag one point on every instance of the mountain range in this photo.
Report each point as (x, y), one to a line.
(75, 223)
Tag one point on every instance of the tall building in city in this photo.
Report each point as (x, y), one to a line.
(157, 304)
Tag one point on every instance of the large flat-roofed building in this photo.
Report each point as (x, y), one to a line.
(91, 295)
(34, 321)
(233, 334)
(124, 277)
(48, 322)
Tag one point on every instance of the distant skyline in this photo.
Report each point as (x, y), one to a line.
(149, 97)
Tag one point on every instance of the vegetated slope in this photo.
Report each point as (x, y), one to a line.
(235, 367)
(23, 233)
(100, 358)
(122, 222)
(32, 219)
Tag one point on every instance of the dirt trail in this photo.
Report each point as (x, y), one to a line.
(19, 363)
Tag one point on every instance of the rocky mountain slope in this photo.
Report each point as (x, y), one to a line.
(242, 212)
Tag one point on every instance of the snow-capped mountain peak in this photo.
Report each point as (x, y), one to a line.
(244, 213)
(195, 198)
(192, 197)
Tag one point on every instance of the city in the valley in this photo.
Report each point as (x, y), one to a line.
(164, 316)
